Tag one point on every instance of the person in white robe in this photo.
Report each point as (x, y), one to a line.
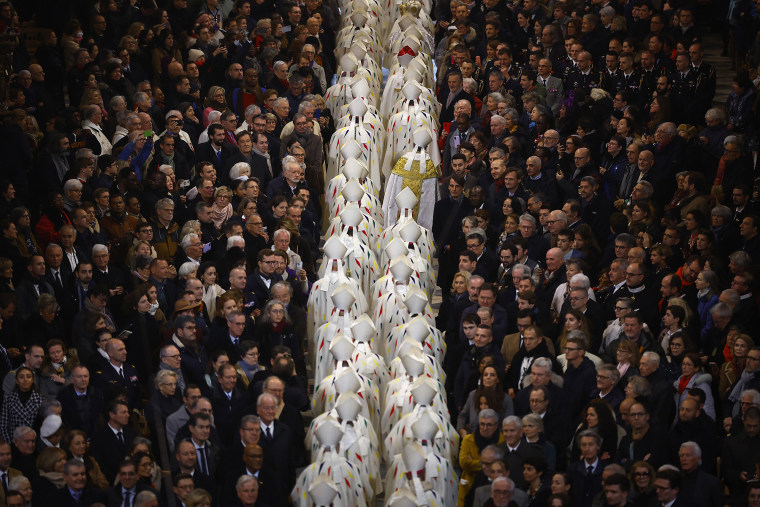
(418, 329)
(344, 379)
(422, 473)
(363, 134)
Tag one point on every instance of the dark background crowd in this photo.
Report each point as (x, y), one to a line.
(161, 211)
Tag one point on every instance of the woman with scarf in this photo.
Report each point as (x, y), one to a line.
(691, 377)
(248, 365)
(165, 400)
(708, 290)
(75, 445)
(486, 433)
(50, 464)
(20, 406)
(143, 340)
(215, 101)
(56, 368)
(221, 210)
(25, 239)
(273, 328)
(116, 83)
(732, 370)
(533, 472)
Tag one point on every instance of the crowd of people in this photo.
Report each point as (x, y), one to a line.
(166, 187)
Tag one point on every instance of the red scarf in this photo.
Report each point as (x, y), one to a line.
(683, 383)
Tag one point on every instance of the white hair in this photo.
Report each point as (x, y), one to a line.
(694, 447)
(186, 268)
(237, 168)
(281, 231)
(214, 117)
(580, 280)
(171, 113)
(187, 239)
(165, 168)
(71, 185)
(99, 248)
(234, 241)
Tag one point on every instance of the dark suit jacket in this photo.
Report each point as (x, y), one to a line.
(227, 412)
(279, 457)
(27, 298)
(205, 153)
(72, 413)
(115, 498)
(108, 451)
(447, 115)
(487, 266)
(585, 486)
(514, 460)
(62, 497)
(107, 379)
(313, 158)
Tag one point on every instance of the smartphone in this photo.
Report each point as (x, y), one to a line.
(299, 266)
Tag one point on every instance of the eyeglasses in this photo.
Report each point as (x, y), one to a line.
(642, 474)
(620, 308)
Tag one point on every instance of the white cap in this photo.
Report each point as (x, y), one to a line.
(348, 62)
(414, 457)
(351, 215)
(361, 90)
(401, 268)
(406, 21)
(349, 405)
(334, 248)
(363, 328)
(422, 136)
(342, 348)
(423, 390)
(410, 232)
(424, 428)
(352, 191)
(418, 329)
(411, 41)
(329, 432)
(418, 63)
(396, 248)
(412, 32)
(350, 149)
(407, 345)
(323, 491)
(411, 89)
(416, 300)
(358, 48)
(414, 363)
(404, 59)
(412, 74)
(359, 18)
(357, 107)
(402, 497)
(406, 199)
(347, 380)
(50, 425)
(343, 297)
(354, 168)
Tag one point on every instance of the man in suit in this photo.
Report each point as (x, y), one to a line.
(279, 456)
(515, 448)
(58, 273)
(586, 474)
(555, 91)
(607, 378)
(75, 492)
(186, 463)
(32, 285)
(699, 487)
(289, 415)
(486, 298)
(264, 276)
(109, 444)
(118, 374)
(739, 454)
(312, 145)
(216, 151)
(488, 263)
(123, 494)
(228, 400)
(252, 464)
(80, 403)
(456, 93)
(6, 472)
(668, 488)
(207, 453)
(112, 277)
(513, 342)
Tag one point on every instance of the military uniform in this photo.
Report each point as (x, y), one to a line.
(109, 380)
(683, 96)
(585, 81)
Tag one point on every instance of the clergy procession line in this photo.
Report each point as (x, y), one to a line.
(375, 350)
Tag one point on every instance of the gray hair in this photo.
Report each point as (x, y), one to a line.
(715, 113)
(503, 480)
(89, 111)
(580, 280)
(591, 433)
(488, 413)
(245, 479)
(83, 153)
(512, 113)
(165, 168)
(614, 468)
(512, 419)
(721, 211)
(71, 185)
(498, 150)
(264, 396)
(497, 451)
(164, 203)
(20, 431)
(282, 285)
(18, 482)
(214, 116)
(237, 168)
(143, 498)
(755, 395)
(525, 270)
(721, 309)
(543, 362)
(647, 186)
(161, 377)
(693, 446)
(498, 119)
(280, 101)
(99, 248)
(115, 101)
(741, 259)
(281, 231)
(250, 418)
(252, 110)
(527, 217)
(304, 105)
(612, 370)
(186, 268)
(498, 97)
(234, 241)
(650, 357)
(277, 64)
(171, 113)
(139, 97)
(535, 420)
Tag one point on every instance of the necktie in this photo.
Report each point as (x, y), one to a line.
(121, 373)
(269, 433)
(127, 494)
(204, 463)
(120, 436)
(58, 279)
(219, 156)
(589, 470)
(5, 481)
